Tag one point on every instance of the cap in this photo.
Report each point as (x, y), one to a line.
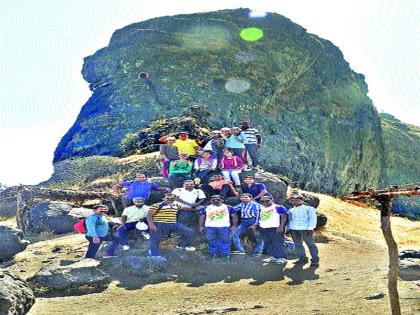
(225, 128)
(215, 131)
(170, 138)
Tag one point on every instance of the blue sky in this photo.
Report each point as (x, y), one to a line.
(43, 43)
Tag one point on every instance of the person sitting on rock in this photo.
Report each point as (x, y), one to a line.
(189, 197)
(140, 187)
(256, 190)
(183, 143)
(231, 166)
(97, 231)
(249, 211)
(216, 220)
(302, 222)
(162, 219)
(219, 186)
(169, 153)
(272, 225)
(180, 171)
(205, 166)
(129, 219)
(252, 142)
(235, 142)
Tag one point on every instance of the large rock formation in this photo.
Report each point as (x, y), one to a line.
(11, 242)
(320, 128)
(16, 298)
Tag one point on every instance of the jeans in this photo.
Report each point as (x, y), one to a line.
(204, 175)
(123, 230)
(165, 168)
(218, 239)
(252, 150)
(242, 227)
(93, 248)
(227, 174)
(226, 191)
(298, 236)
(163, 230)
(273, 242)
(176, 180)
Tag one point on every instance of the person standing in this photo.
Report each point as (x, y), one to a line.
(162, 219)
(169, 153)
(249, 211)
(97, 231)
(183, 143)
(129, 219)
(272, 224)
(215, 221)
(252, 142)
(302, 222)
(235, 142)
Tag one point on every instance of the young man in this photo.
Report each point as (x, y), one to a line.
(252, 141)
(204, 166)
(162, 221)
(256, 190)
(169, 153)
(302, 222)
(188, 197)
(219, 186)
(140, 187)
(235, 142)
(249, 211)
(130, 217)
(215, 220)
(231, 166)
(180, 171)
(183, 143)
(98, 231)
(272, 223)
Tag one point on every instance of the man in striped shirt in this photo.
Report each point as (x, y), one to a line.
(162, 221)
(252, 141)
(249, 211)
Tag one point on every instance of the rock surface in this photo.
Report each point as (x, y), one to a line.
(320, 128)
(53, 217)
(11, 242)
(16, 298)
(69, 274)
(136, 265)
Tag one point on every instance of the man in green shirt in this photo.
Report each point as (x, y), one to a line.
(130, 217)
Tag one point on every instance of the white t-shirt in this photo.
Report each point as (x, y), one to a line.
(188, 196)
(269, 217)
(217, 216)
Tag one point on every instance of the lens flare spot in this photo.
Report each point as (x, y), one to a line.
(251, 34)
(257, 14)
(236, 85)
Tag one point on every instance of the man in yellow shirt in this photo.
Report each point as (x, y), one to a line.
(129, 218)
(183, 143)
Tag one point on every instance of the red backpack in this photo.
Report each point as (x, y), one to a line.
(80, 226)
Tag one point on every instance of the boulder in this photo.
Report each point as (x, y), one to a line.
(276, 185)
(410, 269)
(15, 296)
(8, 202)
(410, 253)
(53, 217)
(321, 220)
(136, 265)
(11, 242)
(69, 274)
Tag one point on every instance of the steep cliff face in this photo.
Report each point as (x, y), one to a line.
(320, 129)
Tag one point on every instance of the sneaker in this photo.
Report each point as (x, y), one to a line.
(314, 263)
(190, 248)
(106, 255)
(301, 261)
(279, 261)
(269, 259)
(145, 235)
(238, 252)
(125, 247)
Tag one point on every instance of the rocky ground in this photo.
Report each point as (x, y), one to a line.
(351, 279)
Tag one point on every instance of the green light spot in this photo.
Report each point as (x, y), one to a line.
(251, 34)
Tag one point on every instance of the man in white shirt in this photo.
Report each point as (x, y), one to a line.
(302, 222)
(189, 197)
(130, 217)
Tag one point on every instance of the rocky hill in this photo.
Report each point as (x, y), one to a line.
(320, 128)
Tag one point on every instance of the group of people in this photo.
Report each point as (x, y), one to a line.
(225, 151)
(200, 207)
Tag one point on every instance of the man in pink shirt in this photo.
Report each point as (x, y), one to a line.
(219, 186)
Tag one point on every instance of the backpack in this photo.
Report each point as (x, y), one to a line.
(80, 226)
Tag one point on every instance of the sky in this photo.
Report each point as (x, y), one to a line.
(43, 43)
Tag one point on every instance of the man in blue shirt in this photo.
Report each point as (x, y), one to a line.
(249, 211)
(140, 187)
(256, 190)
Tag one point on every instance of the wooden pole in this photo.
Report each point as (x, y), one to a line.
(393, 267)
